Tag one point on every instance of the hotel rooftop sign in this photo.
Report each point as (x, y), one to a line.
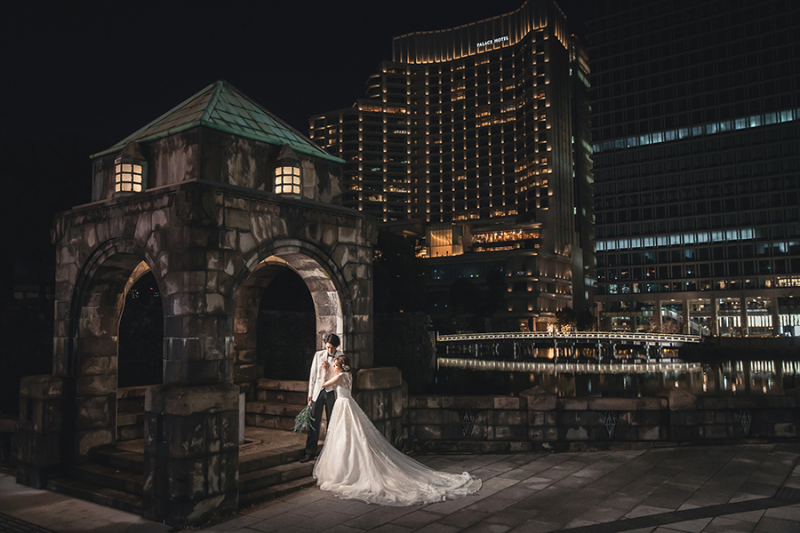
(490, 41)
(478, 37)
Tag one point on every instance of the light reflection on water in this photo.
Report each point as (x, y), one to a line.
(709, 379)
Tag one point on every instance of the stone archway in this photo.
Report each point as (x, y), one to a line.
(324, 283)
(91, 364)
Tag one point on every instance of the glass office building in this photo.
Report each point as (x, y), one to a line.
(481, 134)
(696, 130)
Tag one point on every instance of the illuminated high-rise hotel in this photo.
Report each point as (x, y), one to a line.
(480, 133)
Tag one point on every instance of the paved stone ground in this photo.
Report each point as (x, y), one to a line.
(738, 488)
(23, 509)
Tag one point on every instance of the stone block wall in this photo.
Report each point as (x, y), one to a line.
(735, 418)
(572, 421)
(382, 394)
(130, 413)
(539, 420)
(470, 424)
(41, 414)
(191, 452)
(8, 442)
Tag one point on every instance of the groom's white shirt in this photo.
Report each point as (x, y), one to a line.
(319, 375)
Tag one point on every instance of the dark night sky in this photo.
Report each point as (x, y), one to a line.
(80, 76)
(102, 70)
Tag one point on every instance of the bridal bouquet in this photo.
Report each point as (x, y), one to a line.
(302, 422)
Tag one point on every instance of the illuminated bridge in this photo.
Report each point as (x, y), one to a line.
(527, 347)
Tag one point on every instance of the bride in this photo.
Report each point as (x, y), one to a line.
(358, 463)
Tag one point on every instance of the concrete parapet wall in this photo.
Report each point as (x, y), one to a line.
(41, 412)
(539, 420)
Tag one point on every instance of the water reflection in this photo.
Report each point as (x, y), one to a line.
(470, 376)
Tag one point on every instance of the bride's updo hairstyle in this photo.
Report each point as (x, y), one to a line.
(344, 362)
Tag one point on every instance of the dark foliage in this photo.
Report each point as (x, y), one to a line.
(26, 328)
(402, 340)
(399, 276)
(581, 321)
(473, 305)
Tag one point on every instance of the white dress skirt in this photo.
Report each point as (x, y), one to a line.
(358, 463)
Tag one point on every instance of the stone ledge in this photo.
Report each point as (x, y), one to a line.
(184, 400)
(282, 384)
(8, 425)
(378, 378)
(44, 387)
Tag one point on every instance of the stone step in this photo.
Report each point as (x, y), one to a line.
(282, 384)
(108, 476)
(270, 458)
(274, 409)
(129, 419)
(284, 423)
(117, 499)
(282, 396)
(269, 477)
(119, 458)
(275, 491)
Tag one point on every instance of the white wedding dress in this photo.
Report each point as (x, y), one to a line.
(358, 463)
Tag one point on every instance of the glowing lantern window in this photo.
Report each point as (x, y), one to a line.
(287, 180)
(128, 175)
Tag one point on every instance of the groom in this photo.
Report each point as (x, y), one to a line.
(319, 398)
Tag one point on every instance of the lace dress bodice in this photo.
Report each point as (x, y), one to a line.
(344, 387)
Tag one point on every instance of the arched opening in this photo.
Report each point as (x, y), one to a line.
(286, 328)
(290, 273)
(141, 335)
(140, 351)
(284, 308)
(100, 299)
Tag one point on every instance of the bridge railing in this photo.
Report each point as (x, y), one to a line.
(575, 336)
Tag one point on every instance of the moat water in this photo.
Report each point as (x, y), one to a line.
(565, 379)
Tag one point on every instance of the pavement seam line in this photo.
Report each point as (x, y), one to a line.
(21, 526)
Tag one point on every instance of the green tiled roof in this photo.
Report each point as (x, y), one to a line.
(222, 107)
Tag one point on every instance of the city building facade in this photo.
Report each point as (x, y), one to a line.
(696, 121)
(475, 133)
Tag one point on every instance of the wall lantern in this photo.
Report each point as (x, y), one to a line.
(130, 170)
(287, 172)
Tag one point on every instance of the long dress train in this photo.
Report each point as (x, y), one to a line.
(358, 463)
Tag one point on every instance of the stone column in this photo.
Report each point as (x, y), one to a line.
(191, 430)
(748, 376)
(191, 452)
(41, 410)
(776, 316)
(714, 316)
(743, 315)
(93, 387)
(659, 317)
(778, 369)
(687, 328)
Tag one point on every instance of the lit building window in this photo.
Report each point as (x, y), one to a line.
(287, 180)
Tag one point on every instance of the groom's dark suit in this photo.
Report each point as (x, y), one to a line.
(322, 399)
